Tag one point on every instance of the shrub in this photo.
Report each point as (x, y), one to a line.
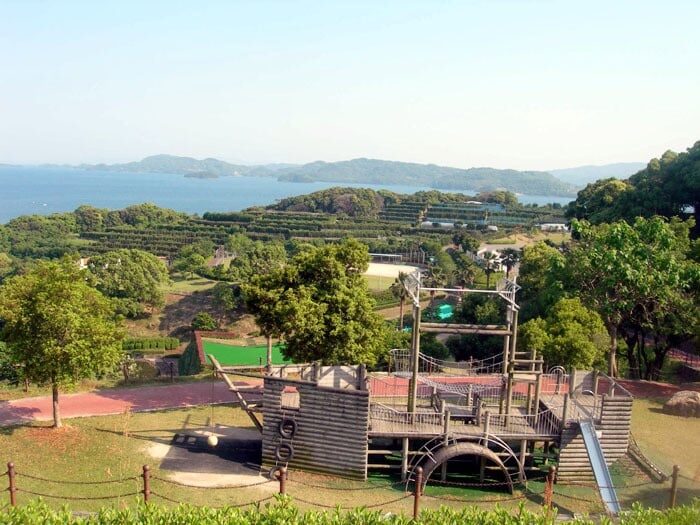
(204, 321)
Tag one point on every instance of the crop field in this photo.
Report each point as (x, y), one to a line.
(234, 355)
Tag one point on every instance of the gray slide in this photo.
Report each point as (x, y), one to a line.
(600, 469)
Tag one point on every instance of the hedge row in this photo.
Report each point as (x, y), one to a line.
(148, 343)
(282, 511)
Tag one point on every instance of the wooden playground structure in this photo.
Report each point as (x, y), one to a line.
(495, 421)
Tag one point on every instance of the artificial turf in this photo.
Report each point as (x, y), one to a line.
(232, 355)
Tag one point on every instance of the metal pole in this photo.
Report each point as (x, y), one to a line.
(404, 458)
(417, 492)
(12, 489)
(282, 478)
(674, 487)
(146, 483)
(415, 357)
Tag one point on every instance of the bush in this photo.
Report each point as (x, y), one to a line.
(204, 321)
(283, 511)
(151, 343)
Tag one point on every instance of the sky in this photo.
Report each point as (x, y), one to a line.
(521, 84)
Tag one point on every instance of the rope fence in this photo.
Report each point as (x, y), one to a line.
(282, 479)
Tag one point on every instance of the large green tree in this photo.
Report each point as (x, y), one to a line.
(637, 276)
(320, 305)
(571, 336)
(57, 327)
(133, 277)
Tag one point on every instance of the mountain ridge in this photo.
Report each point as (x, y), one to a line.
(359, 171)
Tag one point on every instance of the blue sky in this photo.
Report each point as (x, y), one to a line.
(523, 84)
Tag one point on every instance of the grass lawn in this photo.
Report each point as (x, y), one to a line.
(231, 355)
(379, 282)
(115, 447)
(667, 440)
(184, 284)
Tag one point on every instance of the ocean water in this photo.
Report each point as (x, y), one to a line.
(39, 190)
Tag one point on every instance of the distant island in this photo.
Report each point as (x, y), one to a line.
(372, 171)
(357, 171)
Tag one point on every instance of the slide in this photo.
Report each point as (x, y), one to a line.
(600, 469)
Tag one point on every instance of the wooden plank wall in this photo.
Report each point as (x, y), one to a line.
(332, 427)
(616, 417)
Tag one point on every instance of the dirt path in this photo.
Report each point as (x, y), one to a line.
(117, 400)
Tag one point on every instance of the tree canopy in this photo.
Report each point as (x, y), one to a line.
(669, 186)
(636, 276)
(320, 305)
(571, 336)
(57, 327)
(134, 278)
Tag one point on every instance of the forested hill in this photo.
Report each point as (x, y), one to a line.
(359, 171)
(372, 171)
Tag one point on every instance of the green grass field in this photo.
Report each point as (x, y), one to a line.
(232, 355)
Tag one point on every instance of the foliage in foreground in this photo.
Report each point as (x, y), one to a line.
(282, 511)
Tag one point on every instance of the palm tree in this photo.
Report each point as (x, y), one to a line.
(490, 262)
(510, 257)
(466, 273)
(436, 279)
(398, 290)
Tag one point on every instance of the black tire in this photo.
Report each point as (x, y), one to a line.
(287, 428)
(284, 452)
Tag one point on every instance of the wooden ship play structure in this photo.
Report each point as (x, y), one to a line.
(495, 421)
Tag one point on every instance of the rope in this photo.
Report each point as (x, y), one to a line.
(477, 500)
(234, 505)
(577, 498)
(221, 487)
(71, 482)
(79, 498)
(370, 487)
(694, 480)
(373, 506)
(460, 484)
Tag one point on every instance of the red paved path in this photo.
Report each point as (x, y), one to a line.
(116, 400)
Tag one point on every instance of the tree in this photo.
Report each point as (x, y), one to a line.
(398, 290)
(570, 336)
(189, 264)
(539, 276)
(204, 321)
(57, 327)
(320, 305)
(466, 272)
(490, 263)
(133, 277)
(637, 275)
(510, 257)
(226, 297)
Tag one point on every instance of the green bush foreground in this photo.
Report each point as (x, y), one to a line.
(284, 512)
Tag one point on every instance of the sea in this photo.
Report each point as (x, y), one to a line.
(46, 190)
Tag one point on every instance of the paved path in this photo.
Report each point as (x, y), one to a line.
(116, 400)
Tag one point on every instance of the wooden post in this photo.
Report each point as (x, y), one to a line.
(565, 410)
(362, 377)
(12, 489)
(674, 487)
(282, 478)
(572, 382)
(549, 487)
(523, 453)
(538, 391)
(146, 483)
(404, 458)
(487, 423)
(417, 492)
